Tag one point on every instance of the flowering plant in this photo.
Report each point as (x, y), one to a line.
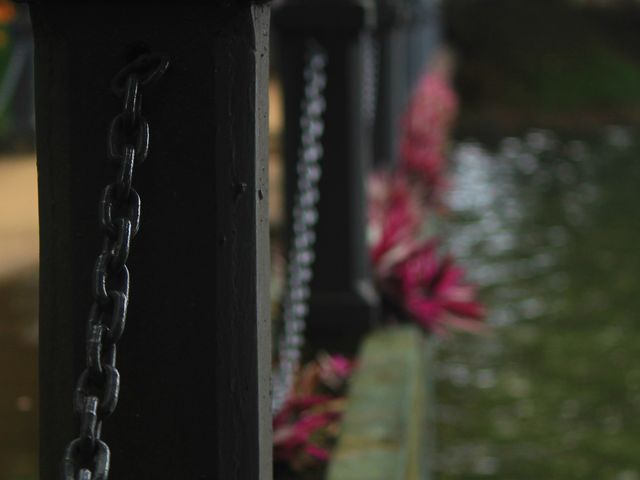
(410, 273)
(308, 424)
(425, 131)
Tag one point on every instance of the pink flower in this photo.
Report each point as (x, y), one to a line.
(434, 294)
(335, 370)
(394, 220)
(295, 426)
(426, 127)
(409, 272)
(295, 405)
(307, 426)
(321, 454)
(397, 236)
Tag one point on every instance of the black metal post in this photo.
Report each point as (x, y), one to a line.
(407, 35)
(17, 85)
(424, 36)
(343, 304)
(194, 357)
(393, 45)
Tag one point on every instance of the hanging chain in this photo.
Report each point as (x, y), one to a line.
(97, 390)
(370, 63)
(305, 217)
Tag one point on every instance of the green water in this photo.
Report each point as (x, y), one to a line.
(550, 228)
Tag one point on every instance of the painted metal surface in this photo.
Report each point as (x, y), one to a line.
(195, 358)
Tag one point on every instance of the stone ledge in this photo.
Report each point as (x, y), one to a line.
(385, 432)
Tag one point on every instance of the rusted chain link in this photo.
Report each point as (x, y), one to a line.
(96, 394)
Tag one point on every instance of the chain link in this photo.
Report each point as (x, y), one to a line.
(370, 64)
(97, 390)
(305, 216)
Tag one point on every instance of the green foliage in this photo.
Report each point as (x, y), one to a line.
(544, 56)
(602, 79)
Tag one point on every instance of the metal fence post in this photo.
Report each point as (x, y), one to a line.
(343, 304)
(194, 358)
(393, 70)
(424, 35)
(407, 35)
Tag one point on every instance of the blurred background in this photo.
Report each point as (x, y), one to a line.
(545, 175)
(18, 250)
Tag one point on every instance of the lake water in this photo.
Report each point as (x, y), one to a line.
(549, 227)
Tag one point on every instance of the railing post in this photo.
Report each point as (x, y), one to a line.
(407, 35)
(343, 304)
(16, 90)
(393, 70)
(194, 358)
(424, 36)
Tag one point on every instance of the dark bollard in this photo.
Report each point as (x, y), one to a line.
(393, 69)
(195, 355)
(424, 36)
(407, 36)
(16, 88)
(343, 304)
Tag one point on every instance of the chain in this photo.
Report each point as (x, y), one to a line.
(370, 61)
(97, 390)
(305, 217)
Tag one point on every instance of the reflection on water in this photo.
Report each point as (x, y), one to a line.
(548, 226)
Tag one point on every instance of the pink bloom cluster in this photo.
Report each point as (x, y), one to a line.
(394, 219)
(411, 274)
(426, 127)
(409, 271)
(434, 294)
(308, 425)
(294, 428)
(334, 371)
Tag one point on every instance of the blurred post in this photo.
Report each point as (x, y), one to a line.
(393, 46)
(343, 303)
(16, 89)
(424, 37)
(194, 358)
(407, 34)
